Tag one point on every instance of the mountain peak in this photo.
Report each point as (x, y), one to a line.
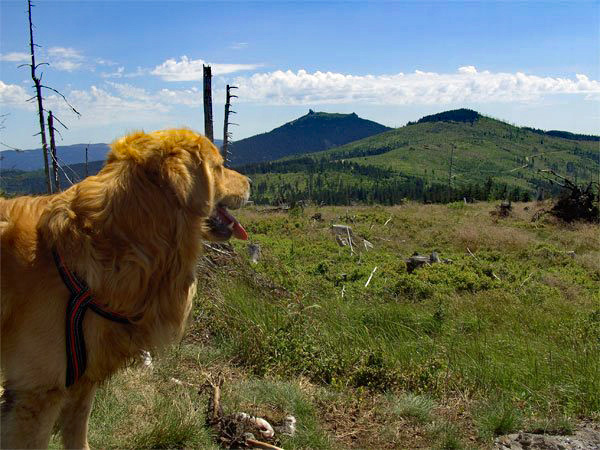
(315, 131)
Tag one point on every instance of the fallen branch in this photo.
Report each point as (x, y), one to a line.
(526, 279)
(214, 412)
(182, 383)
(216, 249)
(259, 444)
(371, 276)
(350, 240)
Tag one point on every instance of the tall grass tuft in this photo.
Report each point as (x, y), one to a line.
(498, 418)
(410, 406)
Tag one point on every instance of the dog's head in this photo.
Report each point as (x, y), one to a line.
(189, 168)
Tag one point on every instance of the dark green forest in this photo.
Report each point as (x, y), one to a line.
(346, 183)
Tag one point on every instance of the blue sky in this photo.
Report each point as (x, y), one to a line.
(129, 65)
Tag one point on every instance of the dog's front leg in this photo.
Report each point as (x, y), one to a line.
(28, 416)
(75, 415)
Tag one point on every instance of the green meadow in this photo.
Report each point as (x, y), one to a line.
(505, 338)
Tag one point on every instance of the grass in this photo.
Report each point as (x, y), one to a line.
(505, 338)
(498, 418)
(413, 407)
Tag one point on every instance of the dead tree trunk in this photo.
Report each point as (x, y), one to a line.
(208, 116)
(226, 133)
(450, 172)
(38, 95)
(55, 176)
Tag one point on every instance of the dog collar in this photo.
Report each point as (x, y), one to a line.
(80, 300)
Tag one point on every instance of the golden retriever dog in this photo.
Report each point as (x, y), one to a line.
(131, 234)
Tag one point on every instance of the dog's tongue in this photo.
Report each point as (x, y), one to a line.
(238, 229)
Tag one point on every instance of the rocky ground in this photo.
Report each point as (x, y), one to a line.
(587, 437)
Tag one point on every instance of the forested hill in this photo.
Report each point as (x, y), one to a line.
(442, 158)
(310, 133)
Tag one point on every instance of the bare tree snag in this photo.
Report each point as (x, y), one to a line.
(208, 115)
(55, 177)
(450, 171)
(226, 133)
(38, 96)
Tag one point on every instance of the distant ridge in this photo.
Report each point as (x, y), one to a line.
(565, 134)
(450, 155)
(312, 132)
(67, 154)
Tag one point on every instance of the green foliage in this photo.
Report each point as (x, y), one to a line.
(462, 276)
(374, 372)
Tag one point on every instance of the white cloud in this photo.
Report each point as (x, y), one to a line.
(466, 85)
(116, 74)
(123, 104)
(120, 73)
(15, 57)
(105, 62)
(65, 52)
(470, 70)
(130, 106)
(65, 65)
(192, 98)
(100, 103)
(192, 69)
(65, 58)
(14, 95)
(109, 103)
(238, 45)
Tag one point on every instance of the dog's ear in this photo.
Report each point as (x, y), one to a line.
(175, 175)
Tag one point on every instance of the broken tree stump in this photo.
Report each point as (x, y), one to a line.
(254, 252)
(416, 261)
(503, 210)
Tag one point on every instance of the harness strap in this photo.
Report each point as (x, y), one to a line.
(80, 300)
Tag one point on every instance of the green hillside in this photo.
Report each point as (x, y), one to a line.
(312, 132)
(437, 160)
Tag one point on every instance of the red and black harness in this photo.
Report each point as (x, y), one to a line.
(81, 299)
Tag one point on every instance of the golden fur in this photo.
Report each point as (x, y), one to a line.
(133, 233)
